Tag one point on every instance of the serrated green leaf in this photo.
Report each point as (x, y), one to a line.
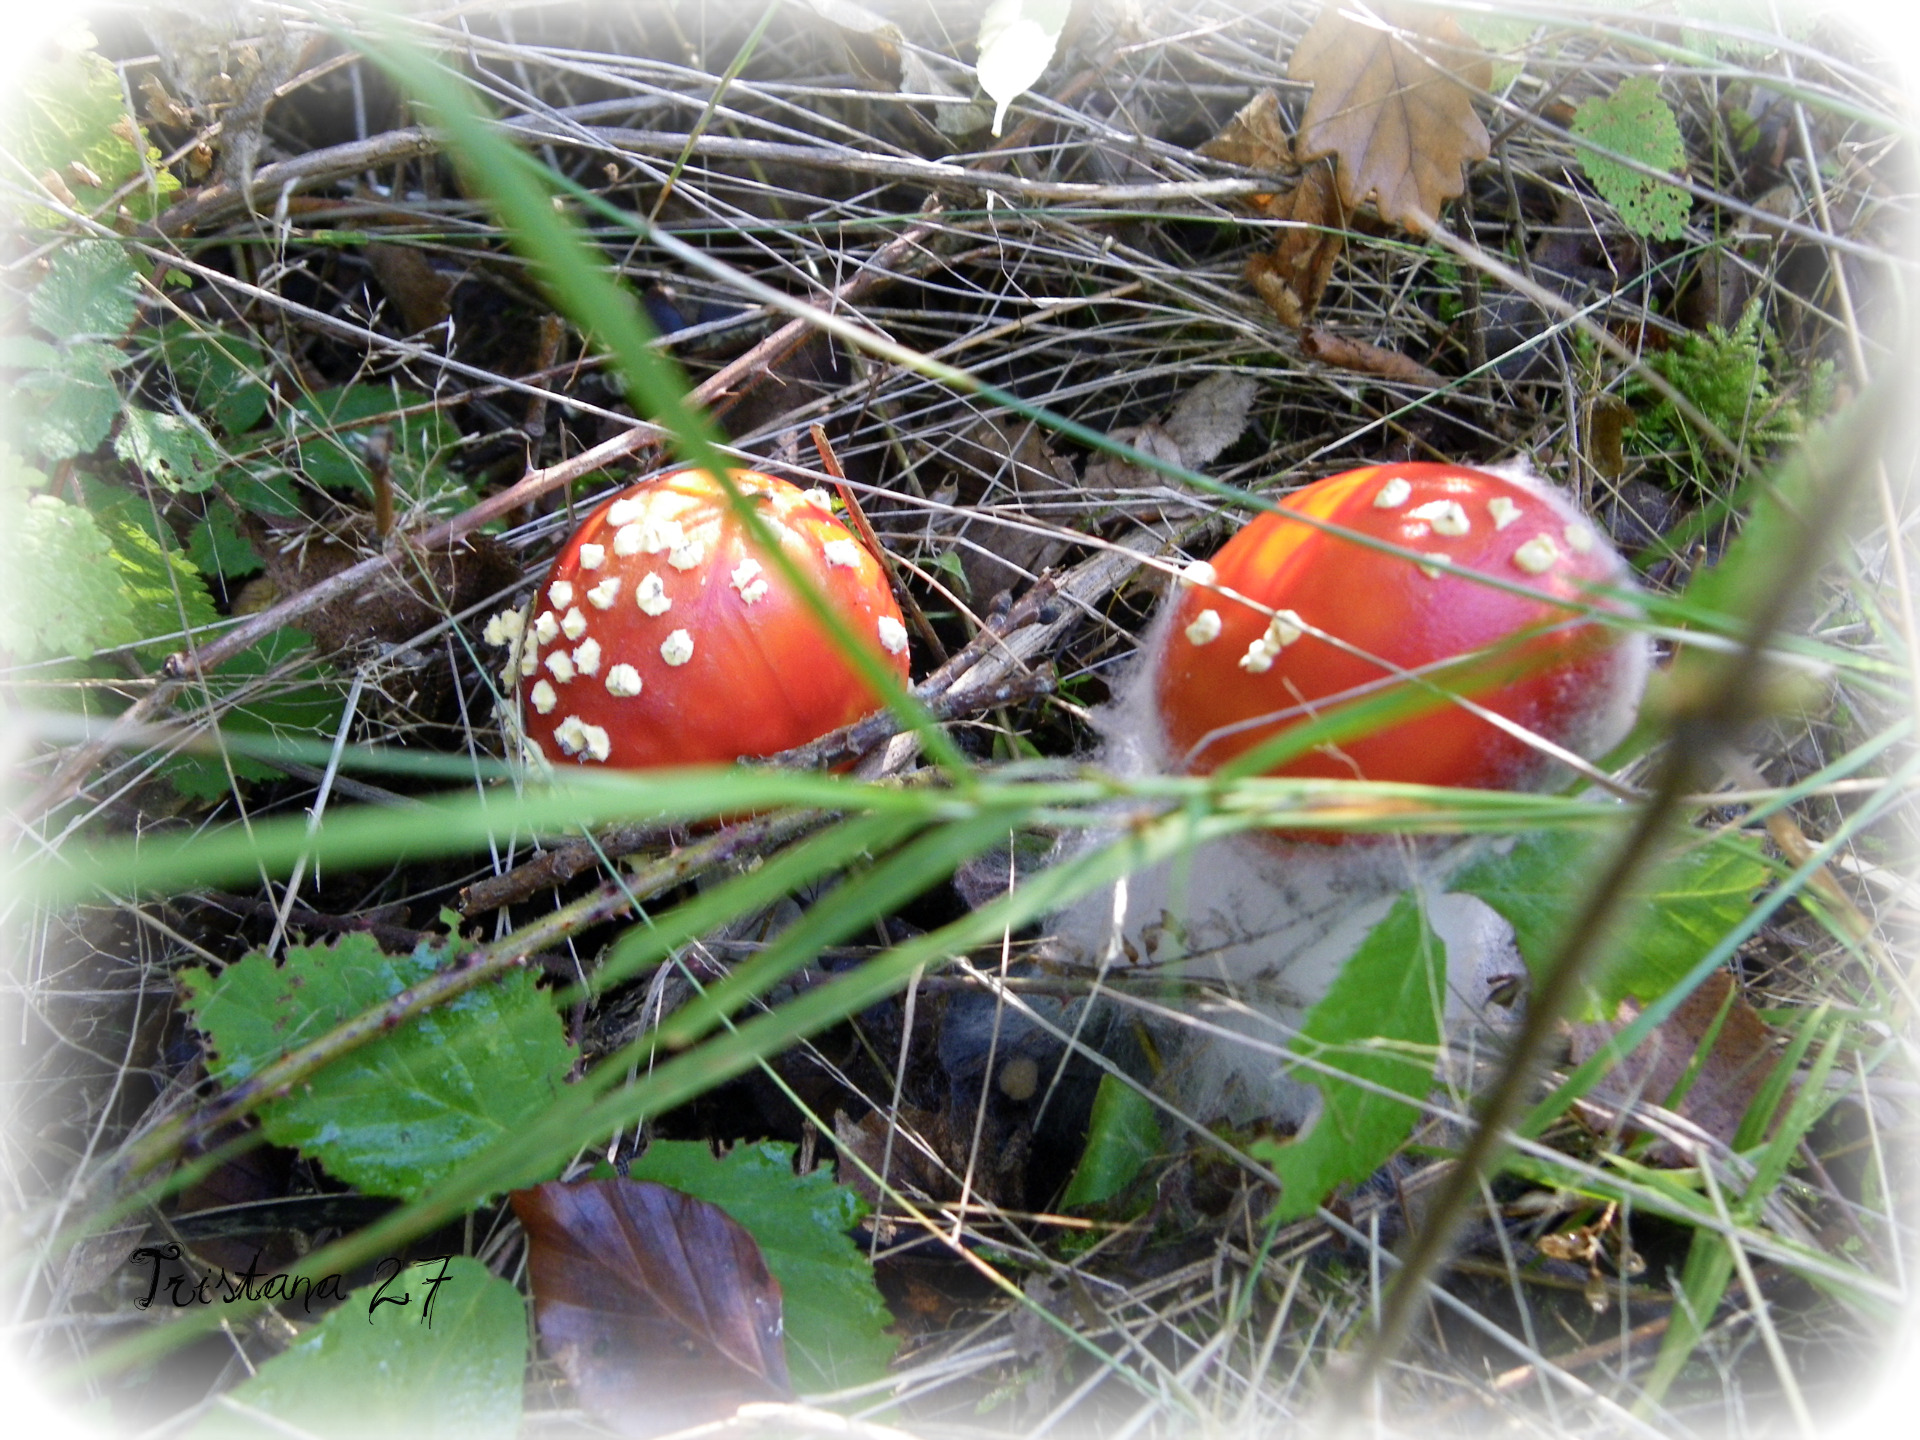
(68, 409)
(23, 352)
(283, 698)
(835, 1319)
(1380, 1023)
(1634, 121)
(72, 109)
(1123, 1134)
(218, 547)
(328, 434)
(169, 449)
(66, 594)
(1696, 899)
(399, 1114)
(164, 589)
(89, 290)
(219, 374)
(389, 1368)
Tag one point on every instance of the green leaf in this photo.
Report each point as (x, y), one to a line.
(67, 410)
(1123, 1134)
(399, 1114)
(165, 590)
(328, 434)
(1696, 899)
(218, 547)
(1017, 41)
(452, 1372)
(1380, 1023)
(1634, 121)
(89, 290)
(65, 589)
(72, 109)
(282, 698)
(169, 449)
(835, 1319)
(218, 373)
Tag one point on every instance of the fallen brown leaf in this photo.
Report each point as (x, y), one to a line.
(1293, 276)
(1736, 1063)
(1391, 102)
(1368, 359)
(1205, 421)
(1254, 137)
(657, 1306)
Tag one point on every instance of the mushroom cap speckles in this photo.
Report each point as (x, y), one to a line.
(1199, 572)
(1381, 615)
(1579, 538)
(651, 595)
(544, 697)
(573, 624)
(677, 648)
(746, 579)
(1393, 494)
(546, 629)
(560, 594)
(1537, 556)
(505, 628)
(1205, 628)
(560, 664)
(1446, 517)
(592, 557)
(715, 656)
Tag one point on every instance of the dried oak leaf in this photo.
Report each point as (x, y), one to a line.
(1254, 137)
(1724, 1081)
(657, 1306)
(1391, 102)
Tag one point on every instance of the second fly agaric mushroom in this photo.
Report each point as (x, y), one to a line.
(664, 636)
(1289, 621)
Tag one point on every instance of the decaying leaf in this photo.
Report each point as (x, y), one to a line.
(1715, 1051)
(418, 291)
(1293, 276)
(657, 1306)
(1391, 101)
(1254, 137)
(1002, 465)
(1367, 359)
(1207, 419)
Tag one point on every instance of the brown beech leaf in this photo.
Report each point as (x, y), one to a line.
(1722, 1089)
(657, 1306)
(1390, 101)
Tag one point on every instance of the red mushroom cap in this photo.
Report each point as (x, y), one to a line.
(664, 636)
(1232, 674)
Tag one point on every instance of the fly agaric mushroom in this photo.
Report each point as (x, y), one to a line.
(664, 636)
(1289, 620)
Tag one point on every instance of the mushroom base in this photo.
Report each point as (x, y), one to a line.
(1266, 927)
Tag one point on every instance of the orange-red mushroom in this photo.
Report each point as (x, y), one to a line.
(1289, 621)
(664, 636)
